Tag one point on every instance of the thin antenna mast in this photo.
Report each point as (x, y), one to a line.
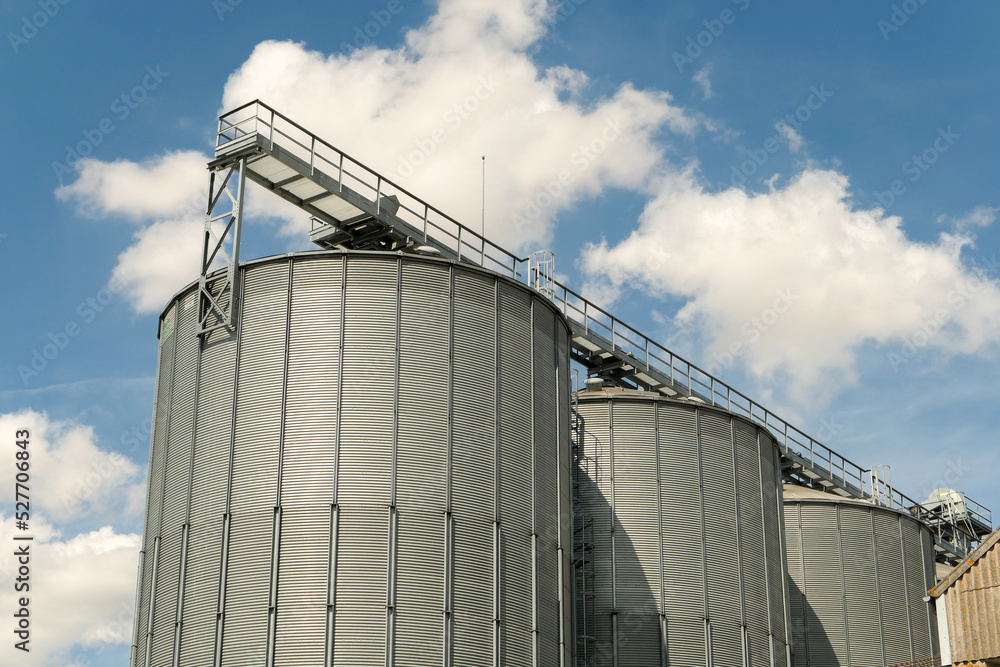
(483, 230)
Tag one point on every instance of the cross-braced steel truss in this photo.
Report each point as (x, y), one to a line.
(219, 290)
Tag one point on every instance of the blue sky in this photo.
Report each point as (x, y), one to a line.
(843, 154)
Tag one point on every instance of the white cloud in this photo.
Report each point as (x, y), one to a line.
(981, 216)
(81, 587)
(463, 86)
(797, 279)
(791, 135)
(701, 78)
(171, 190)
(71, 476)
(164, 257)
(166, 185)
(81, 591)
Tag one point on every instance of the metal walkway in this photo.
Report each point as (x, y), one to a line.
(356, 208)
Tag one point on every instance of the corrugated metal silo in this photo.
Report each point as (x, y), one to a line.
(374, 470)
(859, 575)
(680, 506)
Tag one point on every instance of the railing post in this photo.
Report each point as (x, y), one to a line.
(270, 130)
(312, 156)
(340, 175)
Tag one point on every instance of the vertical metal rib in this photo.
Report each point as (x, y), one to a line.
(331, 605)
(227, 517)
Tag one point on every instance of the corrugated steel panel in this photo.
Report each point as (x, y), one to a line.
(916, 588)
(680, 488)
(759, 646)
(685, 641)
(753, 555)
(422, 463)
(417, 454)
(796, 586)
(473, 462)
(176, 473)
(253, 493)
(826, 625)
(639, 638)
(727, 645)
(201, 591)
(720, 512)
(670, 464)
(895, 625)
(302, 584)
(862, 587)
(516, 472)
(362, 577)
(157, 466)
(309, 457)
(973, 608)
(774, 543)
(247, 587)
(210, 480)
(546, 471)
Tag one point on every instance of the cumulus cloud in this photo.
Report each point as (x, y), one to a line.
(165, 185)
(71, 479)
(465, 85)
(795, 280)
(71, 608)
(791, 135)
(166, 196)
(701, 78)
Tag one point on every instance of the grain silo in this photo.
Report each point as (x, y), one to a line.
(372, 469)
(859, 576)
(679, 510)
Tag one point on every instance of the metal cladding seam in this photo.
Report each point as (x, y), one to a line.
(368, 472)
(688, 565)
(859, 575)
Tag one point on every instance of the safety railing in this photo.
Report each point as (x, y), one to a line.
(597, 325)
(259, 121)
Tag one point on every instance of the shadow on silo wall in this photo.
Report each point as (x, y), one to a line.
(809, 643)
(634, 631)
